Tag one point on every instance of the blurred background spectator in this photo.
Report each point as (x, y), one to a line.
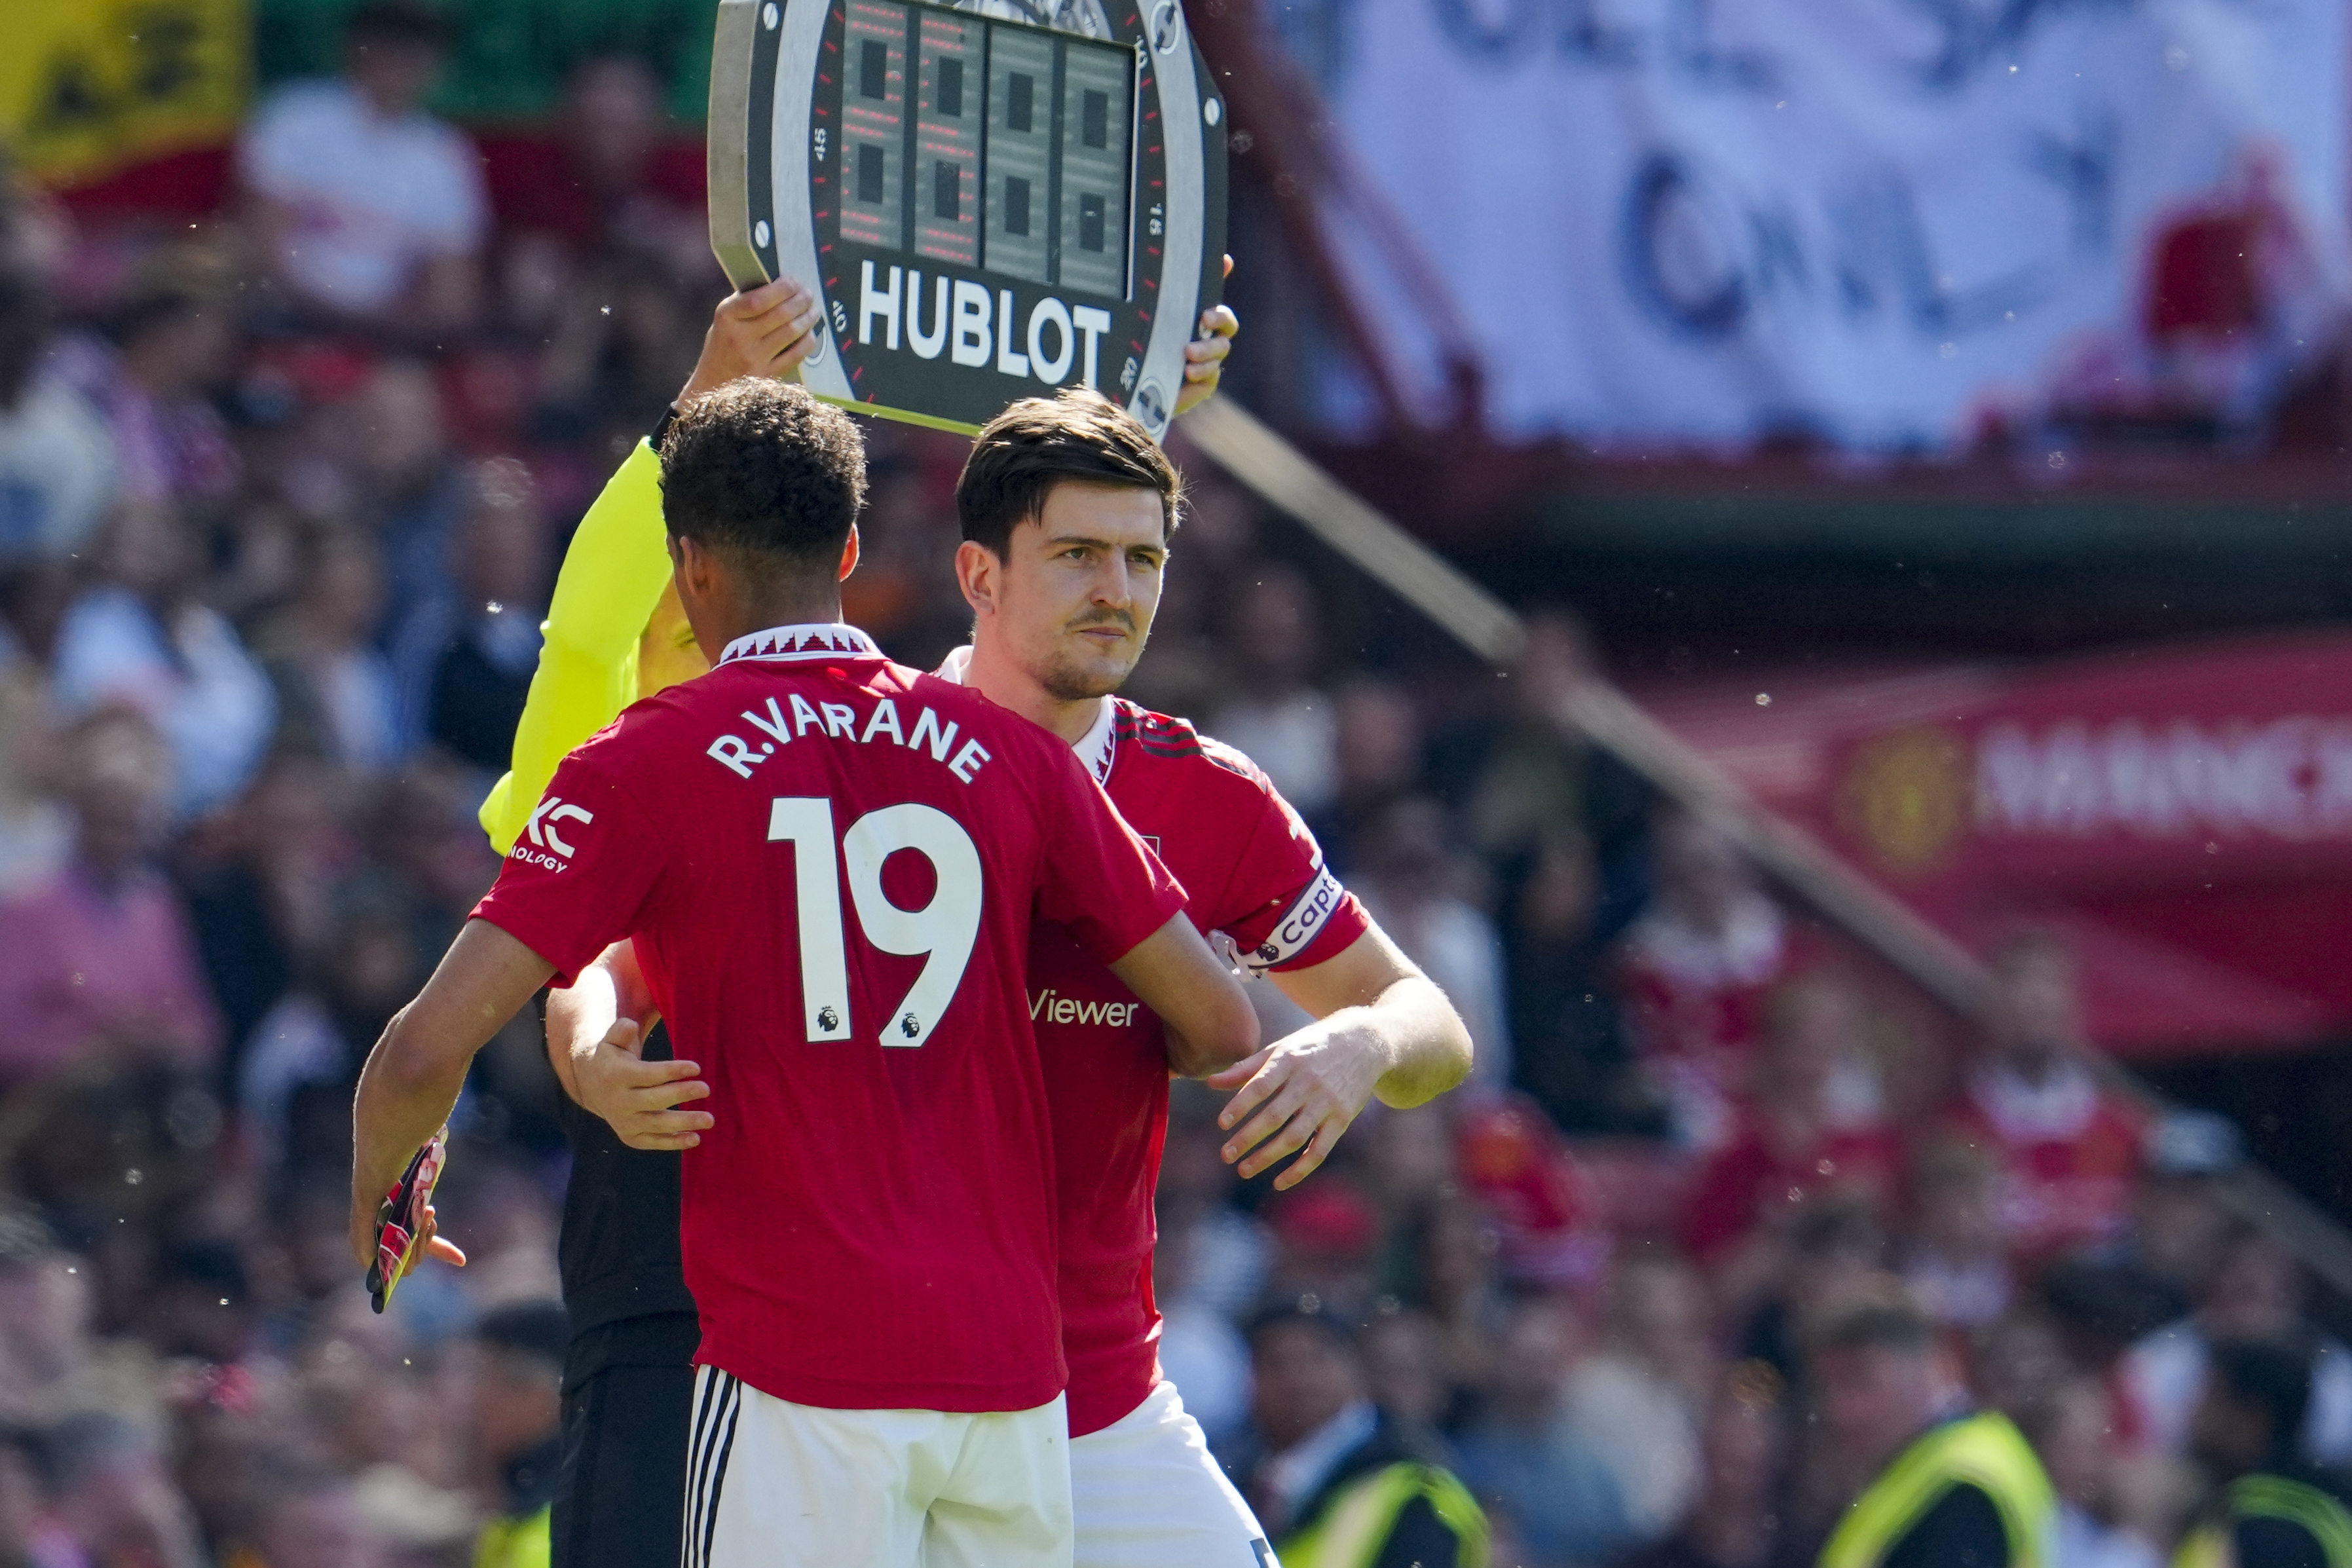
(1733, 1519)
(1525, 1456)
(370, 213)
(1696, 969)
(2066, 1150)
(59, 467)
(1334, 1477)
(100, 959)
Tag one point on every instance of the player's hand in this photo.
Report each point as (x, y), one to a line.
(1302, 1092)
(638, 1098)
(435, 1245)
(1204, 356)
(767, 331)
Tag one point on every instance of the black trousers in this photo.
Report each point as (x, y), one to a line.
(623, 1491)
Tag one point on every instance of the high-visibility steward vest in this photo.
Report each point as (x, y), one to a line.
(1984, 1451)
(1351, 1532)
(519, 1541)
(2269, 1497)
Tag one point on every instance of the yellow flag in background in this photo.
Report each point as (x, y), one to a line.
(88, 86)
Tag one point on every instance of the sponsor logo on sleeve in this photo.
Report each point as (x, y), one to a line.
(542, 843)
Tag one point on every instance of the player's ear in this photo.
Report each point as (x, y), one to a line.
(694, 568)
(977, 573)
(848, 554)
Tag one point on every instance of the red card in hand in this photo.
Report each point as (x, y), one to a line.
(400, 1222)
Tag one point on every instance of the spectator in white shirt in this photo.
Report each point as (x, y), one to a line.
(2257, 1292)
(1641, 1399)
(2075, 1438)
(140, 638)
(57, 467)
(370, 210)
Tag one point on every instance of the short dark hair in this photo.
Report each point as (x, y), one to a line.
(1040, 442)
(1875, 1319)
(760, 470)
(2272, 1377)
(1308, 1311)
(398, 22)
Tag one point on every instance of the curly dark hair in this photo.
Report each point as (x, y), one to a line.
(1022, 454)
(762, 472)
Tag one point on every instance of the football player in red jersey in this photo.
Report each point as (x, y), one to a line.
(868, 1228)
(1065, 516)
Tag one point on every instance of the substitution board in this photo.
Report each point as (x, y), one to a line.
(995, 198)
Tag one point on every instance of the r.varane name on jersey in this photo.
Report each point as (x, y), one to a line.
(829, 864)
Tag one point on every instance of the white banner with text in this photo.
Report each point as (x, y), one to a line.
(1895, 224)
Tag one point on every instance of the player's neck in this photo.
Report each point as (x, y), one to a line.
(995, 676)
(722, 626)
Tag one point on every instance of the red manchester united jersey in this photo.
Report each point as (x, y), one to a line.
(830, 865)
(2067, 1157)
(1253, 872)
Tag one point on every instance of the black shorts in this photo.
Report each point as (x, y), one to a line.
(621, 1493)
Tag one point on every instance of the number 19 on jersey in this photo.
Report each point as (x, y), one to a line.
(941, 931)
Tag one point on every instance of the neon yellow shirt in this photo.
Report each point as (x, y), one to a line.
(524, 1541)
(612, 578)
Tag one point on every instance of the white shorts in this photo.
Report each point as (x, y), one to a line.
(1148, 1495)
(770, 1484)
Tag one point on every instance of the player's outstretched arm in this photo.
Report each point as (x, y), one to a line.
(412, 1077)
(1209, 1020)
(595, 1033)
(1381, 1028)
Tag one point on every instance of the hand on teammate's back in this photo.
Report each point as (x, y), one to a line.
(767, 331)
(637, 1099)
(1204, 356)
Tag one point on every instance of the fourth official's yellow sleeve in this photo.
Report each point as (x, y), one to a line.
(613, 576)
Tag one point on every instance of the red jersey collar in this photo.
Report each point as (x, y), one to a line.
(1097, 748)
(815, 639)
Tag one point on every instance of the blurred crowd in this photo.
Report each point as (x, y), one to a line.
(281, 496)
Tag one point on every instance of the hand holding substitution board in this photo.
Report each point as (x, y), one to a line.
(992, 197)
